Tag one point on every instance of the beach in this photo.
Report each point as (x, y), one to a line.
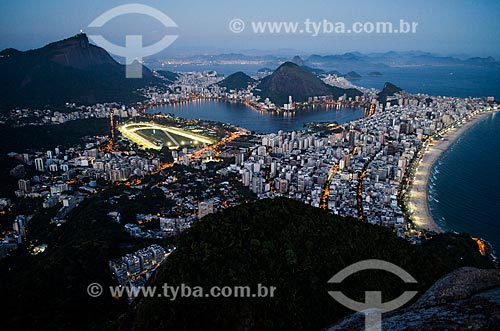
(418, 197)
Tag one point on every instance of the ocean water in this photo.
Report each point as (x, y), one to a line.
(260, 122)
(464, 81)
(457, 81)
(464, 188)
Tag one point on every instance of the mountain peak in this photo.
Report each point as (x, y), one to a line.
(292, 80)
(237, 81)
(76, 69)
(461, 300)
(388, 91)
(79, 39)
(287, 64)
(76, 52)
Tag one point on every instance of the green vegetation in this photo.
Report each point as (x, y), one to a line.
(9, 183)
(168, 75)
(36, 137)
(296, 248)
(148, 202)
(48, 291)
(279, 242)
(70, 70)
(236, 81)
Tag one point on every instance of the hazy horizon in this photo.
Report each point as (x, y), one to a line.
(463, 28)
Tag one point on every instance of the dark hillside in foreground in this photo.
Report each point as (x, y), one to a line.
(296, 248)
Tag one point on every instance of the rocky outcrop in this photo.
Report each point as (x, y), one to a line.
(466, 299)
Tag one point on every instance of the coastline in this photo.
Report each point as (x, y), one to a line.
(418, 198)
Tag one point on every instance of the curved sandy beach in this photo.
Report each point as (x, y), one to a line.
(418, 197)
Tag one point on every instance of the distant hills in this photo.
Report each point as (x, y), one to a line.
(377, 61)
(237, 81)
(292, 80)
(264, 70)
(375, 74)
(298, 61)
(351, 61)
(70, 70)
(352, 75)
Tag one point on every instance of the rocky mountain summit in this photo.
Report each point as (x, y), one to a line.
(465, 299)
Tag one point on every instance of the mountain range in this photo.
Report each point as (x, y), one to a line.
(70, 70)
(351, 61)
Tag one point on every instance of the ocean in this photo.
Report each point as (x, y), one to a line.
(463, 82)
(464, 187)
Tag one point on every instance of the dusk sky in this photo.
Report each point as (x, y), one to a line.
(446, 27)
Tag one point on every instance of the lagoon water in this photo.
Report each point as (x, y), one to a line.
(260, 122)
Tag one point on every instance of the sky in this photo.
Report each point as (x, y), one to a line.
(445, 27)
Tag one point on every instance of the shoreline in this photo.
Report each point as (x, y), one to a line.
(418, 198)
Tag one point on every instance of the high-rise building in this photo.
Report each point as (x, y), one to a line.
(39, 165)
(24, 185)
(273, 168)
(20, 225)
(133, 264)
(158, 253)
(239, 159)
(283, 185)
(257, 185)
(347, 160)
(205, 208)
(245, 177)
(146, 257)
(352, 138)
